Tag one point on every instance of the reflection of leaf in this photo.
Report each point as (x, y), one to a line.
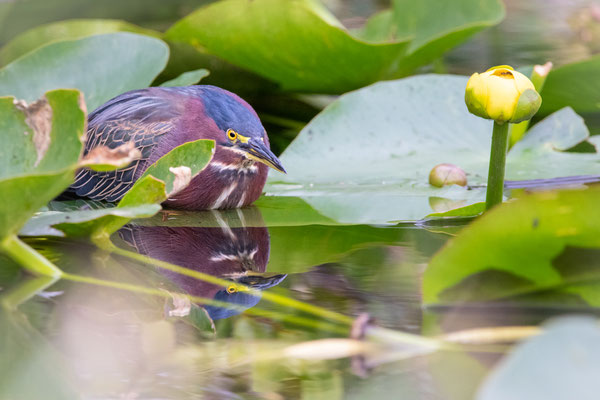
(71, 29)
(299, 248)
(100, 66)
(372, 150)
(518, 240)
(569, 345)
(315, 52)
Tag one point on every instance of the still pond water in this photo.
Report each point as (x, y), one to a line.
(82, 339)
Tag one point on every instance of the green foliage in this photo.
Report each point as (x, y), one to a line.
(64, 30)
(320, 54)
(573, 85)
(187, 78)
(372, 150)
(434, 33)
(513, 249)
(43, 142)
(194, 155)
(100, 66)
(141, 201)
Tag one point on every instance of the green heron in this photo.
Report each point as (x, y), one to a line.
(239, 255)
(158, 119)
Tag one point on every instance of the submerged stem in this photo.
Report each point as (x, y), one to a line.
(495, 184)
(29, 259)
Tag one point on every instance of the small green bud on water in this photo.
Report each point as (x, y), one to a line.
(447, 174)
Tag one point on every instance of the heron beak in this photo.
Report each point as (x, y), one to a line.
(261, 281)
(258, 151)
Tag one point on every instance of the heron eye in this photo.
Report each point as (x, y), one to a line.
(231, 289)
(231, 134)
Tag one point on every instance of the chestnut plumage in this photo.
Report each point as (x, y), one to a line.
(159, 119)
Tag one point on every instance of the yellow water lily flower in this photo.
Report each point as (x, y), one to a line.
(502, 94)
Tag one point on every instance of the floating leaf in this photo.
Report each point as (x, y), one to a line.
(372, 150)
(316, 53)
(101, 66)
(513, 249)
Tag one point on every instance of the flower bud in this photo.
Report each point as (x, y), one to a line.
(502, 94)
(447, 174)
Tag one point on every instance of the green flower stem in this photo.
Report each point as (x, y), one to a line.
(495, 184)
(29, 259)
(26, 290)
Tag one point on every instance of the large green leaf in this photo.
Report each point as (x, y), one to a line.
(530, 371)
(296, 43)
(514, 248)
(70, 29)
(575, 85)
(436, 32)
(101, 66)
(314, 52)
(372, 150)
(42, 146)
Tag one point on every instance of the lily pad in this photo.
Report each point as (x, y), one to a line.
(101, 66)
(63, 30)
(517, 243)
(569, 345)
(372, 150)
(315, 53)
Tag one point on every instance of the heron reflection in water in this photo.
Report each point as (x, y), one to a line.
(226, 248)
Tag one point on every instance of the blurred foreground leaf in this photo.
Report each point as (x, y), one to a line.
(569, 345)
(514, 248)
(141, 201)
(42, 146)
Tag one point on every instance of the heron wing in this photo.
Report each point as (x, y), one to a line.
(141, 116)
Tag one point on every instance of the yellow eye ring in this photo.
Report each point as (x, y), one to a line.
(231, 134)
(231, 289)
